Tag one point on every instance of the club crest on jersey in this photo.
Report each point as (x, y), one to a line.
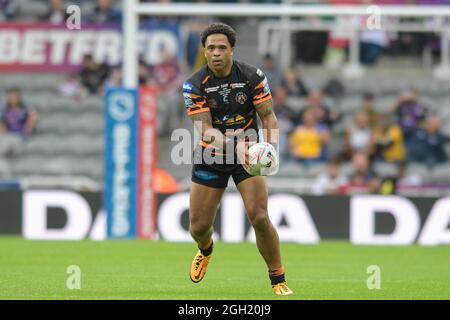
(187, 87)
(241, 97)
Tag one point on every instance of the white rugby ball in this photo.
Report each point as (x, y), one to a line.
(263, 159)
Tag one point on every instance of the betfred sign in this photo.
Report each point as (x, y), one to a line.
(364, 220)
(120, 180)
(44, 47)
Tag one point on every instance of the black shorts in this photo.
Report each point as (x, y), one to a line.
(217, 175)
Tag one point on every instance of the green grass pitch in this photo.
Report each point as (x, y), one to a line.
(159, 270)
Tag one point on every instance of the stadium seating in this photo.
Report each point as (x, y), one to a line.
(69, 136)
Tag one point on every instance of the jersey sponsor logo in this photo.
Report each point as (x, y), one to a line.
(212, 89)
(237, 85)
(234, 119)
(187, 87)
(188, 100)
(260, 73)
(224, 92)
(241, 97)
(266, 87)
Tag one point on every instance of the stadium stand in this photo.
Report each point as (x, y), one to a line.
(68, 139)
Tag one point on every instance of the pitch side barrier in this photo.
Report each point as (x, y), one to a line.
(360, 219)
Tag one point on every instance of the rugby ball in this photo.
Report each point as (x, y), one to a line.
(263, 159)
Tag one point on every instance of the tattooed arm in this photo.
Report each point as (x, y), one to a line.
(269, 121)
(209, 134)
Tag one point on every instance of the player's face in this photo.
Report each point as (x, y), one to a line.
(218, 53)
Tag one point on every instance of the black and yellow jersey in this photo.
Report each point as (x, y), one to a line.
(231, 100)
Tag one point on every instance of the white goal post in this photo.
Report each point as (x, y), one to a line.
(132, 9)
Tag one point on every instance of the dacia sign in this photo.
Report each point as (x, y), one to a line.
(121, 162)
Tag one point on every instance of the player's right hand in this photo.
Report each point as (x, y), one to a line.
(242, 147)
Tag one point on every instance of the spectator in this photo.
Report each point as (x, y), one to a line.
(143, 73)
(427, 143)
(167, 76)
(390, 184)
(104, 13)
(71, 87)
(372, 42)
(334, 89)
(93, 75)
(323, 113)
(293, 84)
(364, 175)
(308, 141)
(17, 119)
(8, 9)
(368, 107)
(409, 113)
(357, 137)
(330, 181)
(57, 12)
(272, 73)
(387, 141)
(115, 79)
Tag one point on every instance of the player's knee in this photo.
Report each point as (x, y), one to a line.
(199, 228)
(260, 219)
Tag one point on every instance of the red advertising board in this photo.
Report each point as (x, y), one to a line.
(147, 157)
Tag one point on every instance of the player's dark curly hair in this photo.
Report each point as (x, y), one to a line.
(219, 28)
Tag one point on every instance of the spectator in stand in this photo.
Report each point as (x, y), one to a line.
(104, 13)
(387, 141)
(334, 89)
(271, 71)
(167, 76)
(427, 143)
(357, 137)
(330, 181)
(293, 84)
(93, 75)
(143, 73)
(16, 122)
(368, 107)
(410, 113)
(17, 118)
(372, 42)
(308, 141)
(114, 80)
(323, 113)
(8, 9)
(364, 175)
(71, 88)
(57, 13)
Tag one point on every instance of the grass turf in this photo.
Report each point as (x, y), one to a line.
(159, 270)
